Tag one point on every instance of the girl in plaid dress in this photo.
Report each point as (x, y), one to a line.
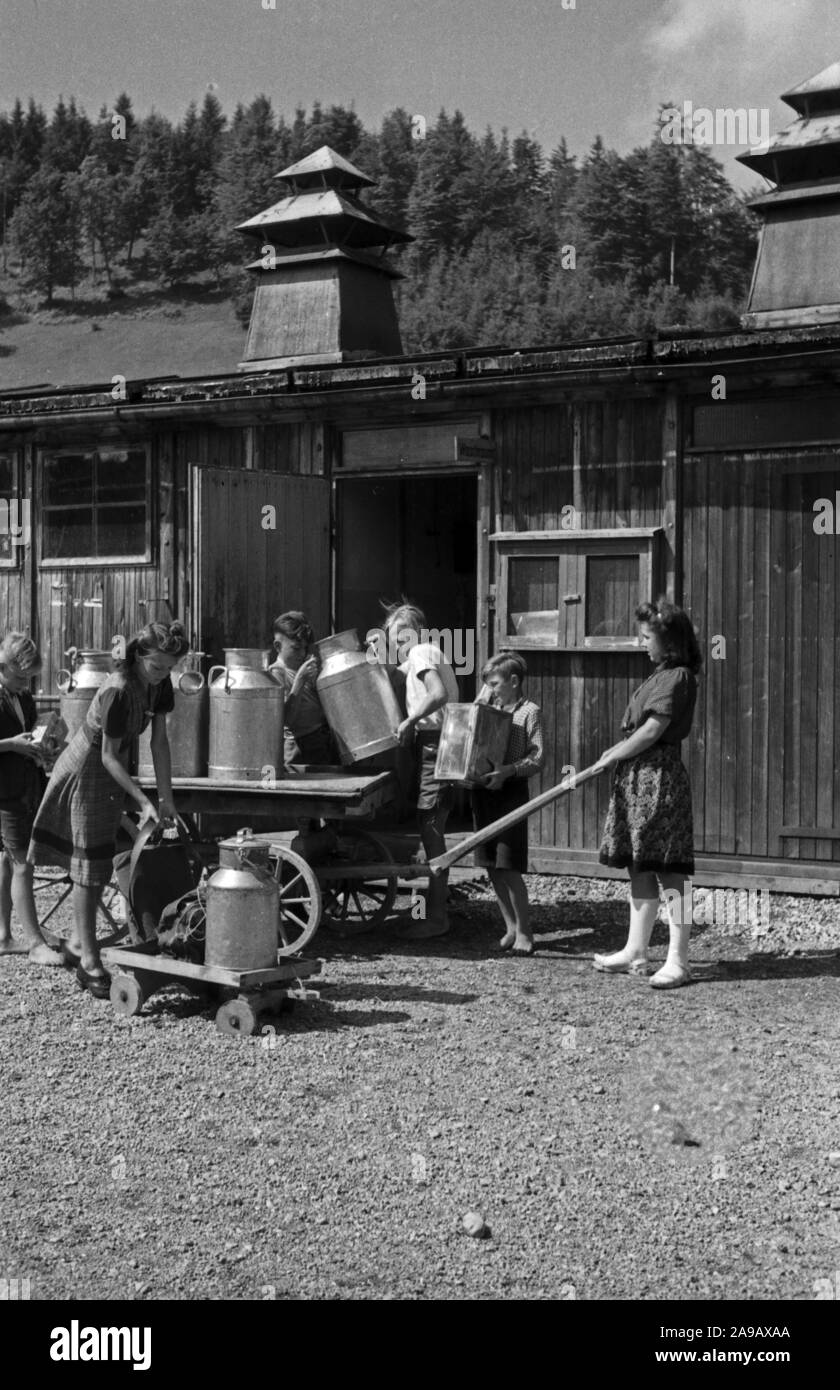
(76, 826)
(649, 828)
(506, 856)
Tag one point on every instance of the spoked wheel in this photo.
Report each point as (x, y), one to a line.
(353, 905)
(300, 900)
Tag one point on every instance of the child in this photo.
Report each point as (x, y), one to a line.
(21, 788)
(430, 683)
(306, 737)
(77, 822)
(506, 856)
(649, 827)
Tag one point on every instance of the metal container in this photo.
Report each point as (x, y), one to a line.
(78, 684)
(246, 718)
(243, 907)
(473, 740)
(357, 698)
(186, 726)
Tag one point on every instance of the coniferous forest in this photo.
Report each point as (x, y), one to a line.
(512, 244)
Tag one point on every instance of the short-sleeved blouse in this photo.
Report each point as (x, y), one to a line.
(671, 690)
(122, 707)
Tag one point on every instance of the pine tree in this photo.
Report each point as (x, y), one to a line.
(47, 229)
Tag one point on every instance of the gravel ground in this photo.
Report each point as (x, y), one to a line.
(618, 1142)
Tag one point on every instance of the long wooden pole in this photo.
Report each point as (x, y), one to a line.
(445, 861)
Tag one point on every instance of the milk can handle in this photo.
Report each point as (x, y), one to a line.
(194, 687)
(211, 673)
(68, 685)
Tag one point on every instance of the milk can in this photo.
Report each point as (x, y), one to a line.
(78, 684)
(243, 907)
(246, 718)
(473, 741)
(357, 698)
(186, 725)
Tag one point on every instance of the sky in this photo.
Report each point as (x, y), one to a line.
(602, 67)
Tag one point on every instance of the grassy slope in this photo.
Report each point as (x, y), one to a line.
(167, 336)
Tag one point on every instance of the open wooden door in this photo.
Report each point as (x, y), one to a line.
(260, 544)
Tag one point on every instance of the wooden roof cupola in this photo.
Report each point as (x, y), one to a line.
(323, 291)
(797, 272)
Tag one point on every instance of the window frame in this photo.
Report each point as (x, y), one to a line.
(642, 541)
(15, 558)
(50, 562)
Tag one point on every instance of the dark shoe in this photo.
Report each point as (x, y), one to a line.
(69, 958)
(97, 985)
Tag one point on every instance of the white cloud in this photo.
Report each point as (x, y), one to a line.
(686, 23)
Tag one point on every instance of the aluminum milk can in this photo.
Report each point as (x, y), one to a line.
(243, 907)
(78, 684)
(473, 740)
(246, 718)
(357, 698)
(186, 726)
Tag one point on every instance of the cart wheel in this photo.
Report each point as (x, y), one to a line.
(353, 906)
(237, 1016)
(300, 900)
(127, 995)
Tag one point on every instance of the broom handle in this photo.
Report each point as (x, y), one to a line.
(445, 861)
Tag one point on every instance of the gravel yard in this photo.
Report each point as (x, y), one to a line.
(618, 1142)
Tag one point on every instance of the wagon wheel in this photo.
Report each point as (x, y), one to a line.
(352, 906)
(300, 900)
(236, 1017)
(127, 995)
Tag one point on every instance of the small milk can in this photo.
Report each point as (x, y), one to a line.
(246, 718)
(243, 907)
(186, 726)
(78, 684)
(473, 740)
(357, 698)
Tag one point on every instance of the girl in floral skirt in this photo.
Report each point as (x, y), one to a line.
(649, 827)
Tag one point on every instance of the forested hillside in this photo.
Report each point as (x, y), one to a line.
(513, 245)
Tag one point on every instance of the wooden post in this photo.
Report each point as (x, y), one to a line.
(445, 861)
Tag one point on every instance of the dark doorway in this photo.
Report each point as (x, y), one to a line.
(414, 536)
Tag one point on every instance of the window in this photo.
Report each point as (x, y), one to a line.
(96, 506)
(574, 590)
(14, 514)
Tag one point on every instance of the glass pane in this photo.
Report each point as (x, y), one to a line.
(68, 534)
(612, 595)
(7, 476)
(533, 595)
(121, 531)
(121, 476)
(68, 480)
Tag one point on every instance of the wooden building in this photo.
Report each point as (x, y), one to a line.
(531, 498)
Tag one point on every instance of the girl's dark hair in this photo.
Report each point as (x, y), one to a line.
(296, 626)
(675, 631)
(169, 638)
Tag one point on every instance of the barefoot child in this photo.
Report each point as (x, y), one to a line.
(21, 788)
(649, 827)
(506, 857)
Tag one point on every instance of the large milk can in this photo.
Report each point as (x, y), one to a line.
(357, 698)
(246, 718)
(78, 684)
(186, 725)
(243, 907)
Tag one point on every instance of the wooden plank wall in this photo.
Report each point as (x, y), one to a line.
(620, 482)
(758, 577)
